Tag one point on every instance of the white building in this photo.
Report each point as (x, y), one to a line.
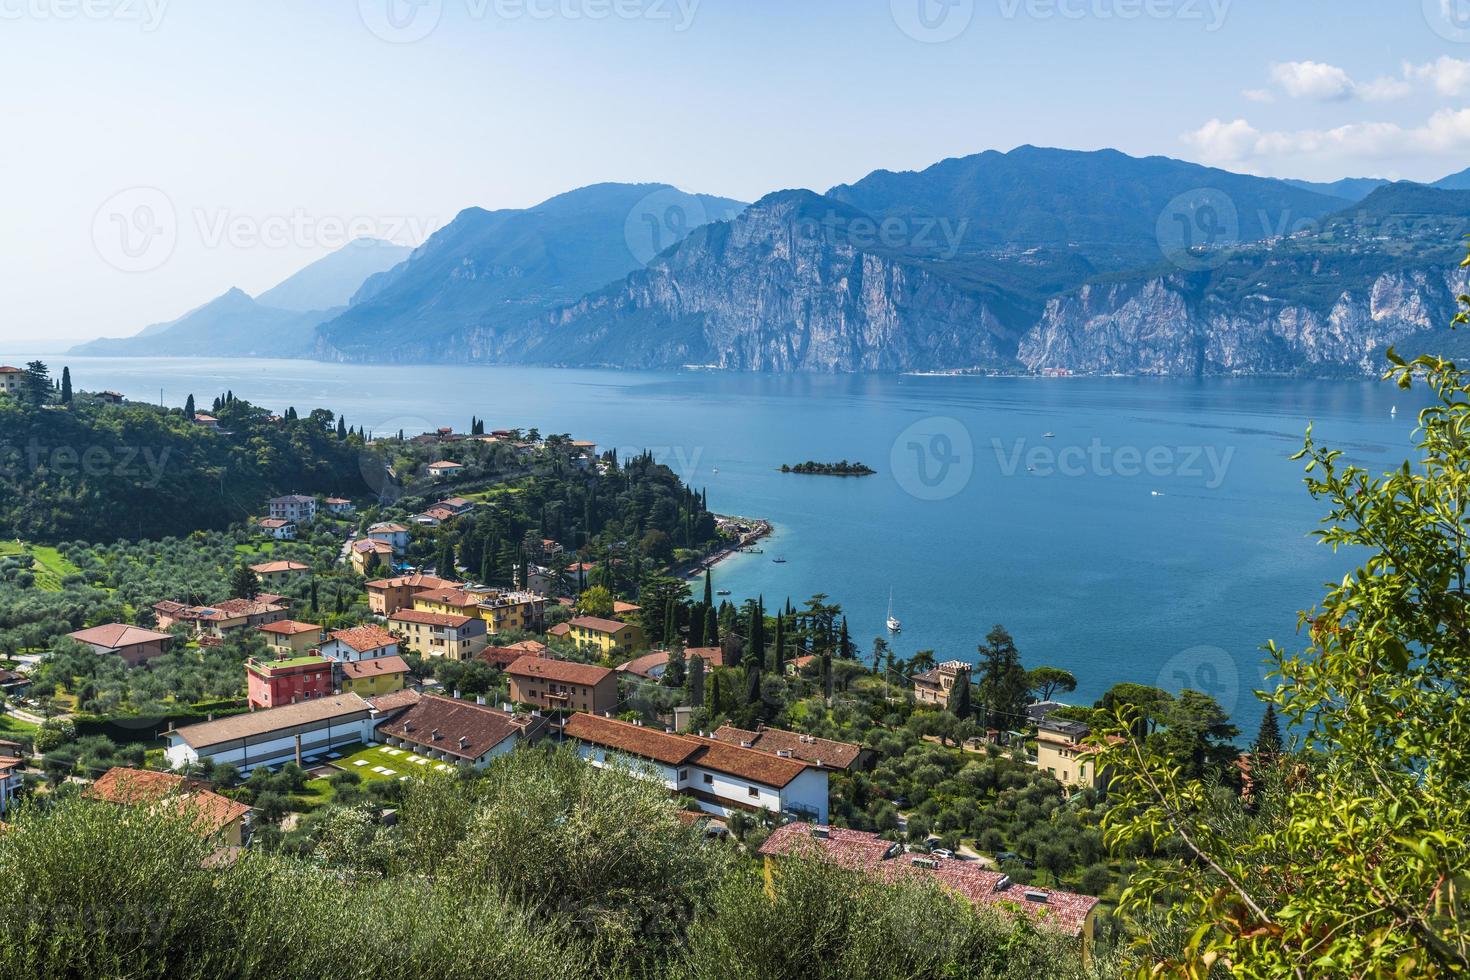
(359, 643)
(393, 534)
(295, 507)
(275, 735)
(278, 528)
(721, 778)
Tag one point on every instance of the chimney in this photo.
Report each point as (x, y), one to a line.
(821, 833)
(456, 694)
(434, 735)
(1036, 895)
(463, 741)
(480, 699)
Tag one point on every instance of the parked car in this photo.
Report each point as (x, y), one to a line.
(942, 852)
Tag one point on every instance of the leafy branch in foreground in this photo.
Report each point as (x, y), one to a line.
(1346, 854)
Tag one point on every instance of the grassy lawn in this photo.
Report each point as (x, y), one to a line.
(382, 757)
(255, 548)
(11, 725)
(50, 567)
(318, 793)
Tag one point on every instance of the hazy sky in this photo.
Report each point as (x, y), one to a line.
(240, 139)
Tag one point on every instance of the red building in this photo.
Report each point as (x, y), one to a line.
(274, 683)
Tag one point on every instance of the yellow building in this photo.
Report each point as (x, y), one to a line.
(274, 574)
(1061, 752)
(435, 634)
(608, 638)
(369, 678)
(288, 638)
(450, 602)
(370, 556)
(507, 611)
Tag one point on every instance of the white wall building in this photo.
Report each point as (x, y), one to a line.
(275, 735)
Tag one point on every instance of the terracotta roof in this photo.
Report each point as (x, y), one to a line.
(267, 568)
(269, 720)
(430, 618)
(387, 528)
(398, 700)
(561, 671)
(800, 662)
(440, 514)
(648, 665)
(503, 657)
(755, 767)
(372, 544)
(232, 608)
(819, 751)
(464, 729)
(455, 503)
(289, 627)
(274, 522)
(377, 667)
(119, 635)
(619, 606)
(338, 500)
(133, 786)
(596, 624)
(1065, 912)
(560, 629)
(365, 638)
(647, 743)
(446, 464)
(449, 597)
(421, 582)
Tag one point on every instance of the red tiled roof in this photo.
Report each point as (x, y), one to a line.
(118, 635)
(387, 528)
(398, 700)
(561, 671)
(465, 729)
(377, 667)
(748, 764)
(819, 751)
(365, 638)
(430, 618)
(449, 597)
(365, 545)
(1066, 912)
(503, 657)
(420, 582)
(269, 567)
(646, 743)
(645, 665)
(446, 464)
(597, 624)
(274, 522)
(289, 627)
(133, 786)
(232, 608)
(560, 629)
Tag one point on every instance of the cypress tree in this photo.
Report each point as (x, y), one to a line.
(314, 606)
(694, 683)
(1268, 740)
(959, 696)
(674, 672)
(711, 628)
(778, 655)
(709, 593)
(696, 626)
(66, 386)
(341, 427)
(189, 407)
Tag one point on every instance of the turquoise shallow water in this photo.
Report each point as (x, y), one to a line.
(1161, 534)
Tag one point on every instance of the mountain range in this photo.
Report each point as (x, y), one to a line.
(1035, 260)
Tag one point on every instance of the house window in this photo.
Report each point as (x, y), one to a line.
(683, 774)
(754, 793)
(708, 779)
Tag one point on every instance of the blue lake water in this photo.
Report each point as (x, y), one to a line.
(1160, 535)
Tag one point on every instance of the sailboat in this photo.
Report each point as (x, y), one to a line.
(1393, 412)
(893, 624)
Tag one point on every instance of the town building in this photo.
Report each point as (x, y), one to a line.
(370, 556)
(1061, 751)
(359, 643)
(433, 634)
(456, 505)
(504, 612)
(652, 666)
(10, 778)
(444, 468)
(933, 686)
(224, 618)
(457, 602)
(277, 527)
(606, 638)
(340, 506)
(288, 638)
(372, 678)
(296, 732)
(134, 644)
(821, 752)
(272, 683)
(210, 813)
(394, 534)
(206, 420)
(294, 507)
(460, 732)
(721, 778)
(274, 574)
(387, 596)
(562, 685)
(10, 379)
(502, 657)
(1067, 913)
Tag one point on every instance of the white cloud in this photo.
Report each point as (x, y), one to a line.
(1313, 80)
(1384, 89)
(1238, 143)
(1449, 76)
(1259, 95)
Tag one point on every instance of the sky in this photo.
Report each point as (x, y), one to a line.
(155, 153)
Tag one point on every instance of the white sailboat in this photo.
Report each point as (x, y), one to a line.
(893, 624)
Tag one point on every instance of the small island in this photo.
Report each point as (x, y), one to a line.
(844, 468)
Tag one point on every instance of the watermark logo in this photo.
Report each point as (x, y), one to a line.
(400, 21)
(147, 14)
(142, 466)
(933, 21)
(1207, 669)
(1098, 459)
(1210, 13)
(136, 230)
(683, 460)
(933, 459)
(1196, 228)
(660, 220)
(1450, 19)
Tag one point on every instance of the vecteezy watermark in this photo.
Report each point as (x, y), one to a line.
(931, 237)
(1196, 227)
(136, 230)
(407, 21)
(1210, 13)
(933, 21)
(1205, 463)
(933, 459)
(143, 465)
(663, 218)
(683, 460)
(1450, 19)
(1209, 670)
(147, 14)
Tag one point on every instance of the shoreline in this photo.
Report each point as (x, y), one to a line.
(759, 528)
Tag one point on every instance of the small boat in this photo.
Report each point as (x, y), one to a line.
(1048, 435)
(723, 592)
(894, 625)
(717, 469)
(1394, 412)
(779, 560)
(1155, 493)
